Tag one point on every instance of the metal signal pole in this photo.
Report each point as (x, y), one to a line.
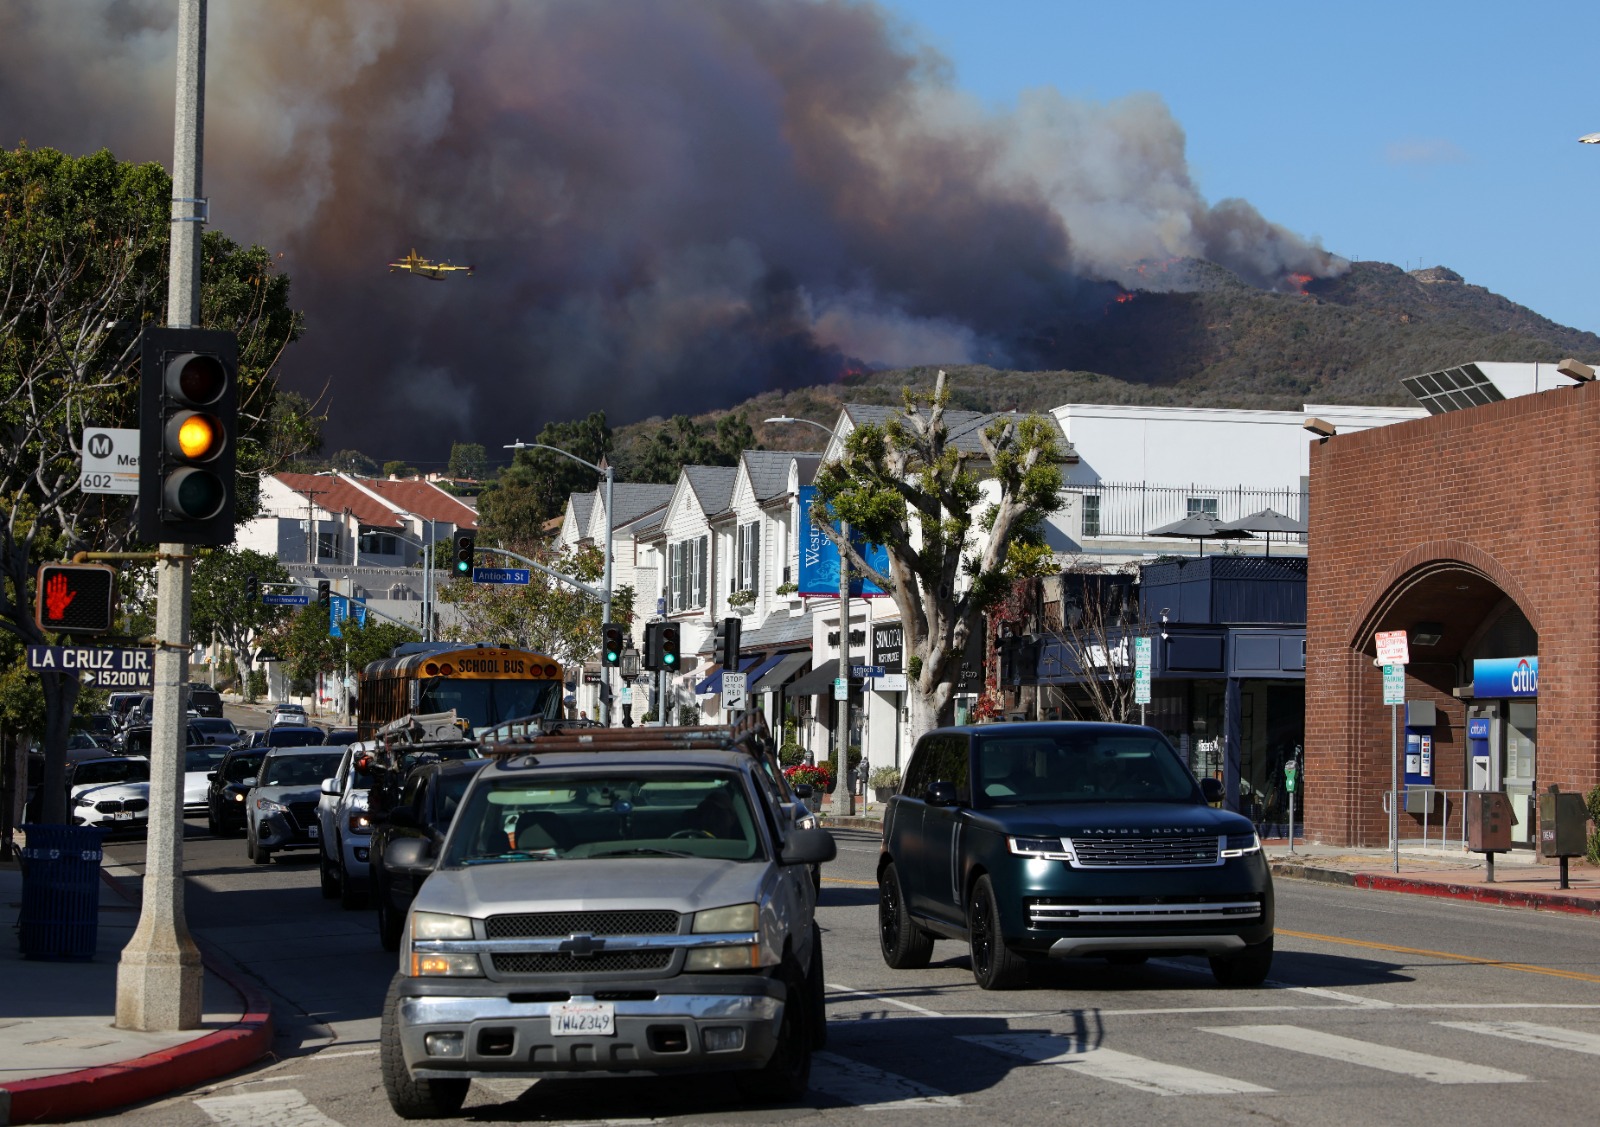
(159, 978)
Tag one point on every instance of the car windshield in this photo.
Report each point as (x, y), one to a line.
(242, 767)
(682, 814)
(211, 725)
(296, 770)
(1085, 766)
(112, 771)
(294, 737)
(198, 759)
(452, 785)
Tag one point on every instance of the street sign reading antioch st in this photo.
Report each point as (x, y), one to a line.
(105, 667)
(110, 461)
(520, 576)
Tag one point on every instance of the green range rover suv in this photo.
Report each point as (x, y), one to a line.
(1064, 840)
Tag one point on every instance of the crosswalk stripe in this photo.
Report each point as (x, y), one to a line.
(285, 1108)
(861, 1085)
(1545, 1036)
(1422, 1066)
(1074, 1055)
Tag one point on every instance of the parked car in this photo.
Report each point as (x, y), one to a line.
(1062, 840)
(346, 832)
(135, 739)
(111, 792)
(281, 809)
(206, 701)
(288, 714)
(228, 787)
(199, 764)
(425, 809)
(293, 735)
(96, 724)
(671, 861)
(218, 730)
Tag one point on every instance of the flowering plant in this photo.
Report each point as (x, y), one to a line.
(818, 777)
(986, 708)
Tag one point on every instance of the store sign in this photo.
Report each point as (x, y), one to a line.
(888, 646)
(1505, 677)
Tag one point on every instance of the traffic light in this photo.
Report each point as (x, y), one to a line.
(252, 588)
(466, 547)
(669, 646)
(75, 598)
(324, 592)
(188, 430)
(611, 643)
(728, 631)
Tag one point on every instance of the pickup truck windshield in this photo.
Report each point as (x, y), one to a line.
(688, 814)
(1080, 767)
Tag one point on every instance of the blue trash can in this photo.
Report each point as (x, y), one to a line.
(60, 892)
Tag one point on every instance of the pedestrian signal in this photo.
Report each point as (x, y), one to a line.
(75, 598)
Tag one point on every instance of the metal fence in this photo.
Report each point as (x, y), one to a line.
(1133, 509)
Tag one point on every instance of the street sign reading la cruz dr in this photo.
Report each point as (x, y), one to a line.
(1392, 649)
(106, 667)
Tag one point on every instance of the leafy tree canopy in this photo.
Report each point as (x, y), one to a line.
(468, 460)
(684, 442)
(535, 487)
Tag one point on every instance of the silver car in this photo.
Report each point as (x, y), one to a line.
(622, 911)
(281, 807)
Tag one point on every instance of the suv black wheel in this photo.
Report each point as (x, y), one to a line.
(994, 965)
(328, 874)
(818, 988)
(787, 1075)
(1248, 968)
(410, 1098)
(351, 894)
(254, 851)
(905, 946)
(390, 922)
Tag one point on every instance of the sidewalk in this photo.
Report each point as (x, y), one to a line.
(61, 1058)
(1521, 880)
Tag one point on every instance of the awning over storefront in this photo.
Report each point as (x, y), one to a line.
(713, 683)
(786, 666)
(818, 682)
(753, 674)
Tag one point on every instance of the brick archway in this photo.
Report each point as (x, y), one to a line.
(1424, 562)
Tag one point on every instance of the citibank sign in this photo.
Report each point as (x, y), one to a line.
(1505, 677)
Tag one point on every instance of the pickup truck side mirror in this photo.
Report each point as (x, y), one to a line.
(250, 782)
(330, 787)
(1211, 790)
(211, 776)
(940, 793)
(409, 855)
(804, 847)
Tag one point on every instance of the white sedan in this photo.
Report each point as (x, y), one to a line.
(112, 793)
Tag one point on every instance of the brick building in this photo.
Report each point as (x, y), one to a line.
(1476, 531)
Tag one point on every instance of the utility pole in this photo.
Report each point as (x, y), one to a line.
(843, 793)
(159, 977)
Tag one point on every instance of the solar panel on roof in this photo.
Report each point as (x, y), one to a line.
(1452, 389)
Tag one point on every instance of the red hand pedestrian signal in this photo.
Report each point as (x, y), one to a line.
(56, 596)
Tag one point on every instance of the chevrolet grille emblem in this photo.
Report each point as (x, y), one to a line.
(582, 946)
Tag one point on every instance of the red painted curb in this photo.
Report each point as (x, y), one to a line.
(89, 1091)
(1482, 894)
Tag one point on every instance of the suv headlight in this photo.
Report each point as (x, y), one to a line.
(437, 925)
(267, 806)
(1049, 848)
(1240, 845)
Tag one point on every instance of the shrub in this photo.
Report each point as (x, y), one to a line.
(1592, 801)
(258, 685)
(791, 754)
(818, 778)
(885, 777)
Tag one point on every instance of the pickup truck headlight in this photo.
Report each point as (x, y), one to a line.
(746, 956)
(267, 806)
(437, 925)
(1240, 845)
(1050, 848)
(359, 823)
(737, 917)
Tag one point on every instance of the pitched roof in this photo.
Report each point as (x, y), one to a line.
(333, 494)
(769, 470)
(712, 485)
(582, 505)
(423, 499)
(632, 500)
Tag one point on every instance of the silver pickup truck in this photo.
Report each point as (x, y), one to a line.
(610, 901)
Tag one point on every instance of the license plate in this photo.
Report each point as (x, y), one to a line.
(312, 830)
(592, 1019)
(122, 815)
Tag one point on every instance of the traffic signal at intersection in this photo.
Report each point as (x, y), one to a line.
(252, 588)
(188, 431)
(611, 643)
(76, 598)
(661, 646)
(324, 592)
(728, 634)
(466, 548)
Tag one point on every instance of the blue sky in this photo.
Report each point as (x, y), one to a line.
(1415, 132)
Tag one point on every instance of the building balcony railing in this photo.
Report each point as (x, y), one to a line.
(1131, 510)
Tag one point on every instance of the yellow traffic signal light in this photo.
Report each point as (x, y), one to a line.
(188, 421)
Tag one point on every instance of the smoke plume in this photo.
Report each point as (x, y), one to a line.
(671, 204)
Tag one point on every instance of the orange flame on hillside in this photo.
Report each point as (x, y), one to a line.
(1123, 298)
(1300, 282)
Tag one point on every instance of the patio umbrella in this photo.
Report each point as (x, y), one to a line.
(1201, 528)
(1269, 521)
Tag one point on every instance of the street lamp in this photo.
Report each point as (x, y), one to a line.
(427, 574)
(843, 792)
(609, 476)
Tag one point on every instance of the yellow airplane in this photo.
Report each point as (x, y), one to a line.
(421, 267)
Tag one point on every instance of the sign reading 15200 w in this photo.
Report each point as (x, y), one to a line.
(103, 666)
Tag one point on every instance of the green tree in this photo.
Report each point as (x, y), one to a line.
(468, 460)
(906, 486)
(535, 487)
(353, 462)
(83, 264)
(399, 469)
(683, 442)
(219, 610)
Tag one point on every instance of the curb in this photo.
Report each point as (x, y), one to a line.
(873, 825)
(1475, 893)
(90, 1091)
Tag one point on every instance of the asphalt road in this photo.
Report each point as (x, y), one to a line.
(1382, 1008)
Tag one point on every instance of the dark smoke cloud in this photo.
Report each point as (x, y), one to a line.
(672, 204)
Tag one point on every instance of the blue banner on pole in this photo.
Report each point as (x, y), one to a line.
(819, 557)
(338, 611)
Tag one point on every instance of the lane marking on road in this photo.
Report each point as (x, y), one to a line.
(837, 989)
(1545, 1036)
(1141, 1073)
(845, 880)
(278, 1109)
(351, 1053)
(862, 1086)
(1349, 1050)
(1528, 968)
(1340, 996)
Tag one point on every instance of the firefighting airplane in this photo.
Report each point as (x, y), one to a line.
(420, 267)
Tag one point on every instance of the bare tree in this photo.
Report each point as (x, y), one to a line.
(1100, 619)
